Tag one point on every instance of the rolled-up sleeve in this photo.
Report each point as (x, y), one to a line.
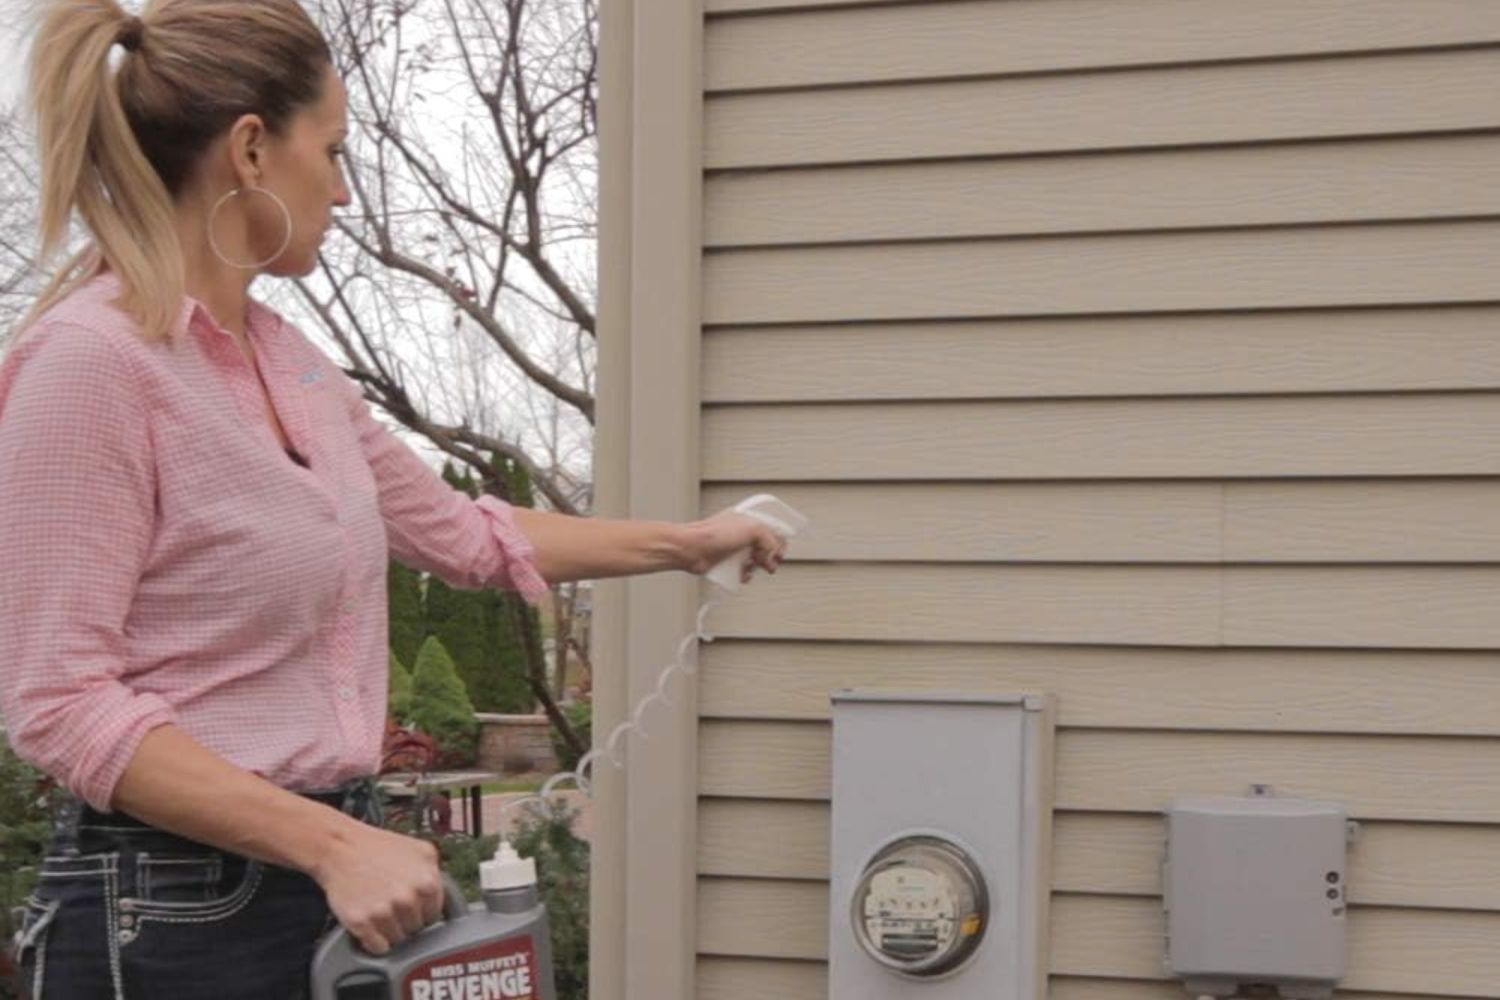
(468, 543)
(77, 514)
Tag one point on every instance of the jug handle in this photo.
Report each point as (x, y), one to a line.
(339, 954)
(454, 903)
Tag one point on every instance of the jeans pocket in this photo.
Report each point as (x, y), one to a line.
(197, 888)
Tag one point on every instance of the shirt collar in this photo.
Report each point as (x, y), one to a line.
(260, 320)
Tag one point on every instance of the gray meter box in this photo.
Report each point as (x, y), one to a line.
(1255, 895)
(941, 835)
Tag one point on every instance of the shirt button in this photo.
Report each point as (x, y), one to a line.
(346, 693)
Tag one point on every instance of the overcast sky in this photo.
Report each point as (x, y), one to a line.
(15, 20)
(12, 57)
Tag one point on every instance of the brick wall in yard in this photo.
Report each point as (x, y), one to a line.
(516, 744)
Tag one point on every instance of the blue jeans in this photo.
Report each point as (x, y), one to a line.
(126, 911)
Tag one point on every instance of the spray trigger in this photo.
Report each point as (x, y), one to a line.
(771, 511)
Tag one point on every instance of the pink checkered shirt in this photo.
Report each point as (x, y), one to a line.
(163, 560)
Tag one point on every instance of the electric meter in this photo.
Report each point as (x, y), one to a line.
(920, 907)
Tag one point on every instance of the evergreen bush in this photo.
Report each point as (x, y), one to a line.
(400, 690)
(480, 629)
(408, 619)
(477, 628)
(440, 704)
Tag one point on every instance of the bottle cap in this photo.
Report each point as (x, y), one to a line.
(507, 870)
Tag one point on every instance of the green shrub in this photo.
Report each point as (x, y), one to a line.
(401, 690)
(440, 705)
(478, 628)
(407, 619)
(562, 860)
(485, 631)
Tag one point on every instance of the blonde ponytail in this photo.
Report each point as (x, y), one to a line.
(92, 163)
(117, 146)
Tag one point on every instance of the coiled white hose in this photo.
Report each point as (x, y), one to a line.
(612, 749)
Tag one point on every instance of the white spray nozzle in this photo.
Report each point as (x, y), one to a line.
(506, 870)
(771, 511)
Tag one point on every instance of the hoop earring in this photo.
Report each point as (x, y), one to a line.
(285, 214)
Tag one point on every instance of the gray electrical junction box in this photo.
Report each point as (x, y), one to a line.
(1255, 895)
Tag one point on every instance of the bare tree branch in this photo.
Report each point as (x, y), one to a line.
(528, 68)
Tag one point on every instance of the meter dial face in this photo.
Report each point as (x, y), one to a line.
(920, 907)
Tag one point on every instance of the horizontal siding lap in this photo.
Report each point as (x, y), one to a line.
(1447, 952)
(820, 44)
(1088, 522)
(1123, 109)
(1281, 185)
(1402, 951)
(1415, 865)
(1112, 605)
(756, 979)
(1395, 778)
(713, 7)
(1437, 607)
(1165, 354)
(1418, 693)
(1085, 988)
(1396, 264)
(1316, 436)
(1297, 522)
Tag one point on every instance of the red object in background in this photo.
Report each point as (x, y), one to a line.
(413, 751)
(407, 749)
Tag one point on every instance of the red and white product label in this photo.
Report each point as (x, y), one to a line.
(504, 970)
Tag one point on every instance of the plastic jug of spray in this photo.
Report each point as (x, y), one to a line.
(498, 950)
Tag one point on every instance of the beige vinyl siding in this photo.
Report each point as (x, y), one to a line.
(1413, 520)
(1398, 864)
(1161, 355)
(1417, 434)
(1379, 777)
(1369, 180)
(731, 978)
(1448, 607)
(1273, 690)
(1120, 937)
(914, 41)
(1302, 267)
(1138, 351)
(1343, 97)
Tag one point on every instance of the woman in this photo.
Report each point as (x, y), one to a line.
(196, 512)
